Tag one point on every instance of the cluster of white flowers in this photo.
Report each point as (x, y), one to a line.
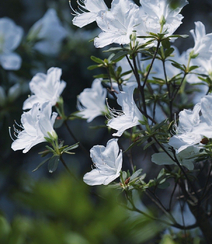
(117, 24)
(37, 123)
(48, 34)
(124, 17)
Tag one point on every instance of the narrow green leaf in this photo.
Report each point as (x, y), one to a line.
(76, 145)
(91, 67)
(112, 49)
(97, 60)
(126, 73)
(118, 56)
(178, 66)
(43, 162)
(148, 145)
(136, 174)
(183, 36)
(104, 76)
(53, 163)
(193, 67)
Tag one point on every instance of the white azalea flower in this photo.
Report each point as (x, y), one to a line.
(10, 38)
(107, 162)
(185, 136)
(118, 24)
(91, 102)
(202, 42)
(160, 16)
(130, 115)
(46, 88)
(89, 10)
(51, 32)
(193, 127)
(35, 125)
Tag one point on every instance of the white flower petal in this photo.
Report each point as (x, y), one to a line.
(91, 102)
(130, 115)
(35, 125)
(46, 88)
(108, 163)
(84, 19)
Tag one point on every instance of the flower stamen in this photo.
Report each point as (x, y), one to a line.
(113, 113)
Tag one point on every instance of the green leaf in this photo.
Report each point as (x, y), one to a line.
(95, 66)
(126, 73)
(76, 145)
(97, 60)
(53, 163)
(136, 174)
(182, 36)
(118, 56)
(112, 49)
(43, 162)
(166, 43)
(193, 67)
(161, 173)
(148, 144)
(104, 76)
(123, 176)
(169, 51)
(119, 70)
(164, 185)
(144, 36)
(178, 66)
(158, 126)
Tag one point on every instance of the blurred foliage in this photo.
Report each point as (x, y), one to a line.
(65, 211)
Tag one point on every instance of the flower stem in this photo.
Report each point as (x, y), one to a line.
(68, 170)
(76, 140)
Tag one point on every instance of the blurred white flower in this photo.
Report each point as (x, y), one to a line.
(45, 87)
(88, 11)
(49, 33)
(10, 38)
(35, 126)
(107, 162)
(130, 114)
(91, 102)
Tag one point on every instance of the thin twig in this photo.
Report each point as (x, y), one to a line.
(68, 170)
(76, 140)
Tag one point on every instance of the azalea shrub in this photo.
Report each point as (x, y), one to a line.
(156, 103)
